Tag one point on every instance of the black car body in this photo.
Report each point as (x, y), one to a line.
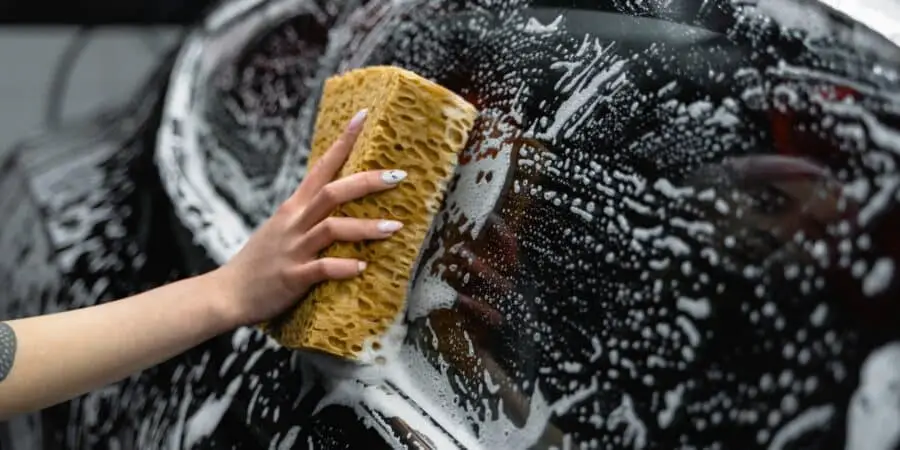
(674, 226)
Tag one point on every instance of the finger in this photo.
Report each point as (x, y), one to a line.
(346, 229)
(327, 167)
(344, 190)
(324, 269)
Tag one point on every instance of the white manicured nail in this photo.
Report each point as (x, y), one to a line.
(393, 176)
(389, 226)
(361, 266)
(358, 119)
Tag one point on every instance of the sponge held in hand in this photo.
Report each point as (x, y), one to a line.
(414, 125)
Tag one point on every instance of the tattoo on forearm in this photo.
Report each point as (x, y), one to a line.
(7, 349)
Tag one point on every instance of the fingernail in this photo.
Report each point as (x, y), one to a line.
(361, 266)
(358, 119)
(393, 176)
(389, 226)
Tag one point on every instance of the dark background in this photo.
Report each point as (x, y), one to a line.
(101, 12)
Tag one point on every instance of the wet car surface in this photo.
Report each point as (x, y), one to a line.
(673, 227)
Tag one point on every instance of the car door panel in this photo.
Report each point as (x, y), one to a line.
(670, 228)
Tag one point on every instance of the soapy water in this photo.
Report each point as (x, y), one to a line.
(648, 244)
(672, 232)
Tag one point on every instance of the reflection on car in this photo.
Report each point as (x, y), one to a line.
(672, 227)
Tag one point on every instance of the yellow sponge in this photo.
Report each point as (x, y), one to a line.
(415, 125)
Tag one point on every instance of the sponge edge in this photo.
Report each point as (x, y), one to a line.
(415, 125)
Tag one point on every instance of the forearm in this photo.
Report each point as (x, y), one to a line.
(60, 356)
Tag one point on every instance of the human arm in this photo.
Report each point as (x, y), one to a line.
(59, 356)
(48, 359)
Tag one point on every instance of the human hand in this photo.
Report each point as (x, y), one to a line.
(279, 263)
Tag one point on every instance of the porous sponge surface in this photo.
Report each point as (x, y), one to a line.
(414, 125)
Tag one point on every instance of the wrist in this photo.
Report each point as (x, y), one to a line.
(222, 299)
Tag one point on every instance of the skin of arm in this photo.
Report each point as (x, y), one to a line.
(60, 356)
(46, 360)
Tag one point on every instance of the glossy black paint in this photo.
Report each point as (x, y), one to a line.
(631, 161)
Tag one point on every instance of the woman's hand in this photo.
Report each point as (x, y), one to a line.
(104, 343)
(280, 262)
